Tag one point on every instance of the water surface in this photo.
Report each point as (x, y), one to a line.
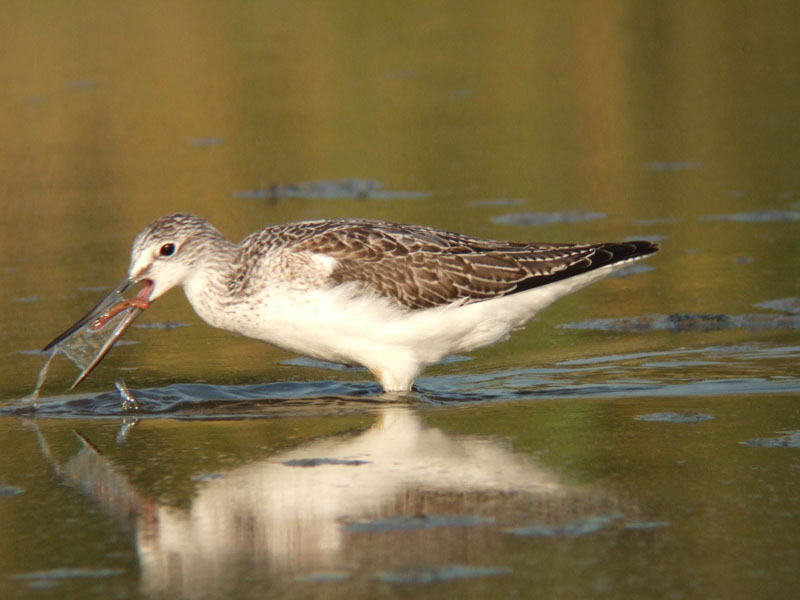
(636, 440)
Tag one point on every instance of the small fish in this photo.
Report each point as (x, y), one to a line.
(105, 312)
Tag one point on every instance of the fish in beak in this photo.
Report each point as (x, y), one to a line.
(104, 312)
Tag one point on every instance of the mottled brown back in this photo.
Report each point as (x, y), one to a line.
(420, 267)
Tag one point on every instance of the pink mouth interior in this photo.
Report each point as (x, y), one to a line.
(147, 289)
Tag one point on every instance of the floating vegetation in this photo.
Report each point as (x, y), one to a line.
(526, 219)
(656, 221)
(761, 216)
(790, 440)
(689, 322)
(689, 416)
(496, 202)
(328, 190)
(789, 305)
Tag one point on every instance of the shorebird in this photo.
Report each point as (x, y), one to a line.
(393, 298)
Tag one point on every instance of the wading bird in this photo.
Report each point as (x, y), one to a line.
(393, 298)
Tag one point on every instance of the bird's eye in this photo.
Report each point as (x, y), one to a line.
(167, 250)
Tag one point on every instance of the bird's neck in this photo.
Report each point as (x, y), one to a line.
(207, 289)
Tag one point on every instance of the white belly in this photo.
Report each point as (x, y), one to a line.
(340, 325)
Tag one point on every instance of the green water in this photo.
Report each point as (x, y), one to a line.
(520, 470)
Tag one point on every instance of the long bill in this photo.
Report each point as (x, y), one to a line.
(105, 310)
(112, 298)
(133, 312)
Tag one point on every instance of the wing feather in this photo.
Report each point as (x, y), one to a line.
(420, 267)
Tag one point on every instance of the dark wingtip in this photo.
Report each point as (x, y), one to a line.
(595, 257)
(628, 250)
(643, 247)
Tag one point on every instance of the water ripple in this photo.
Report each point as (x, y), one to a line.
(685, 372)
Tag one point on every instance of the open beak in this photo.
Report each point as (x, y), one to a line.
(105, 310)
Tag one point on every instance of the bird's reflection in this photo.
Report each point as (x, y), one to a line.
(312, 508)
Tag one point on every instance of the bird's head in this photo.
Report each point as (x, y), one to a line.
(169, 250)
(165, 254)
